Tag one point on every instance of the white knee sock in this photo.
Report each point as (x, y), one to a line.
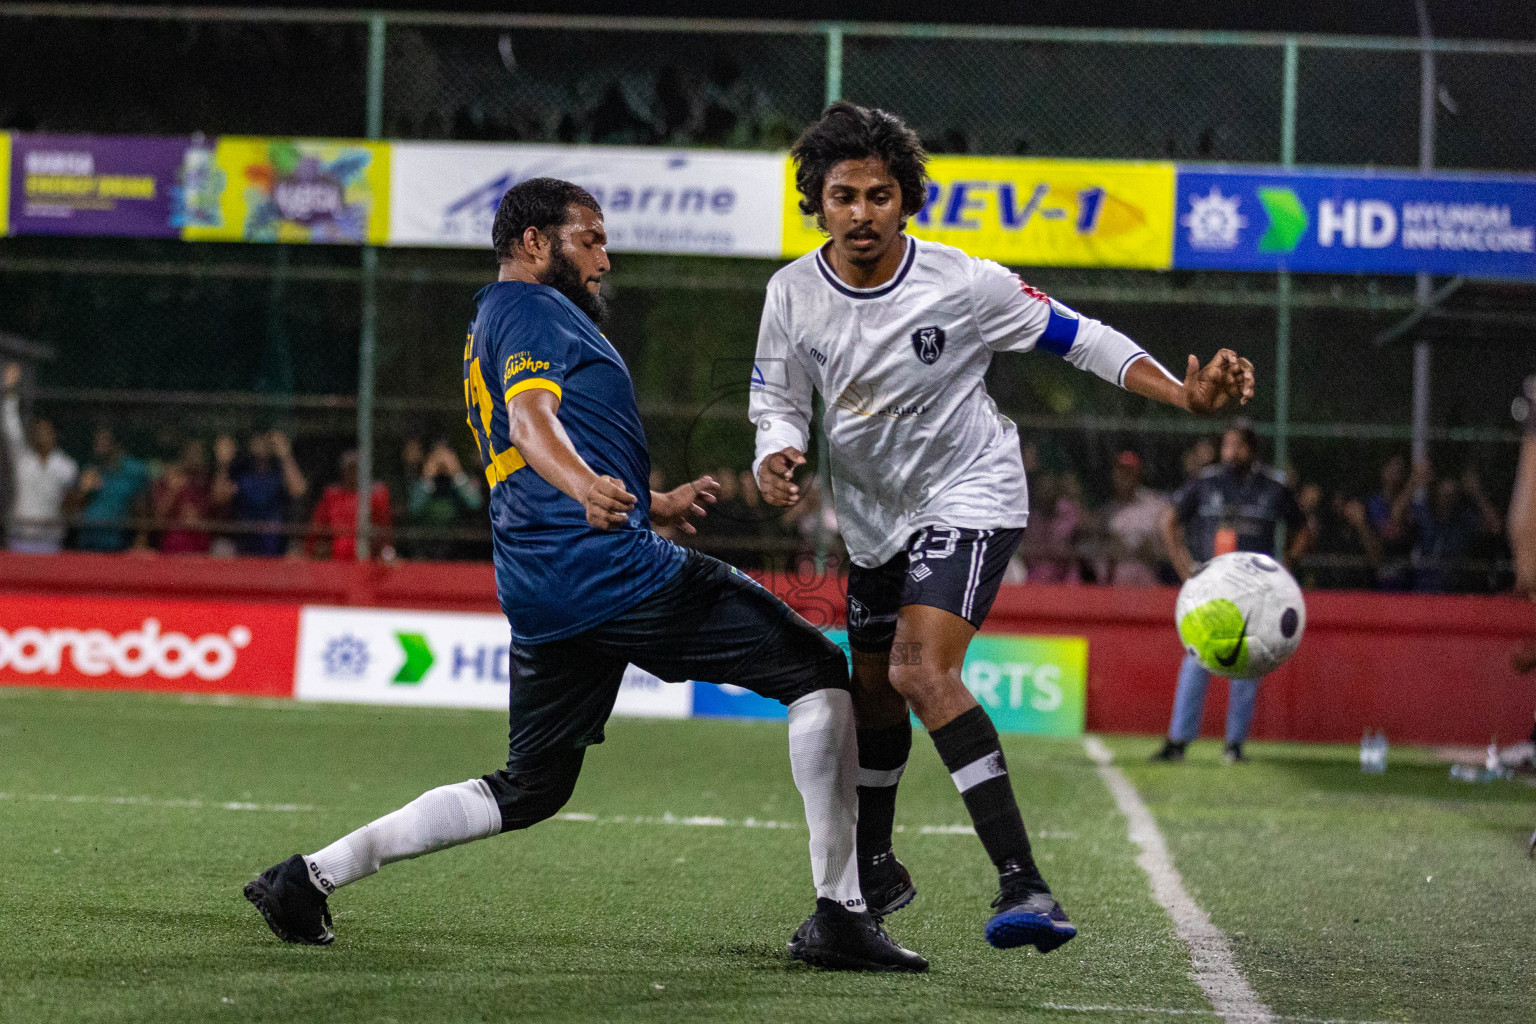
(439, 818)
(824, 759)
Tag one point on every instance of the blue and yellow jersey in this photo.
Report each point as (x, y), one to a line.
(556, 575)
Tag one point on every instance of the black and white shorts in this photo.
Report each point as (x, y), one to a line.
(958, 570)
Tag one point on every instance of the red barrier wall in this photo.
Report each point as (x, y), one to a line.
(1425, 669)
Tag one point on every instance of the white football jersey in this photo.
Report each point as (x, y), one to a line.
(915, 440)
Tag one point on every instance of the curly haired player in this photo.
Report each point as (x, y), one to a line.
(927, 477)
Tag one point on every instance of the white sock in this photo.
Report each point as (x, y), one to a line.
(824, 759)
(439, 818)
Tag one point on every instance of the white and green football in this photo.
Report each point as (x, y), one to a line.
(1242, 615)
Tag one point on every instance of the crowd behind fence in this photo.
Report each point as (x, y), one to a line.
(172, 347)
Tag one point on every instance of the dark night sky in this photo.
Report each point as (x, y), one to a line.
(1491, 19)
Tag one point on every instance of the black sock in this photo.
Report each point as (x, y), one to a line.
(882, 758)
(969, 748)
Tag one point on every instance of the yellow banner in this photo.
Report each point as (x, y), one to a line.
(5, 183)
(289, 190)
(1029, 212)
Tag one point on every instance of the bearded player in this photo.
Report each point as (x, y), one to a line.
(589, 588)
(927, 478)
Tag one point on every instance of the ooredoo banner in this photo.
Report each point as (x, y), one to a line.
(1377, 223)
(94, 185)
(654, 200)
(181, 646)
(435, 659)
(1033, 212)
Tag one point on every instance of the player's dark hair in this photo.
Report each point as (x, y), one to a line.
(541, 203)
(847, 131)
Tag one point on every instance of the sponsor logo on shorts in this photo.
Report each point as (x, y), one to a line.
(920, 572)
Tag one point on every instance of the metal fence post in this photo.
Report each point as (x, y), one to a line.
(1424, 284)
(823, 456)
(1283, 284)
(367, 341)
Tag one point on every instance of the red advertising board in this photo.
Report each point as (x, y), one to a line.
(180, 646)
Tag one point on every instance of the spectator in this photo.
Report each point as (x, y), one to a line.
(1234, 506)
(43, 475)
(112, 492)
(1135, 527)
(259, 491)
(335, 518)
(182, 500)
(1387, 512)
(1055, 519)
(440, 496)
(1349, 550)
(1449, 518)
(1197, 456)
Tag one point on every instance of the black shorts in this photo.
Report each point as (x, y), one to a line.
(955, 569)
(710, 622)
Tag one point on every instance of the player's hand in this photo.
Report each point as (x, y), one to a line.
(1226, 379)
(776, 477)
(674, 507)
(608, 504)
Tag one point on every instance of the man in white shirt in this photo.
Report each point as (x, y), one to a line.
(43, 474)
(928, 482)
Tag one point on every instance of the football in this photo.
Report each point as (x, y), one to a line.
(1242, 615)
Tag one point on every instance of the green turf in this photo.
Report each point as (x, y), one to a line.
(1397, 897)
(131, 911)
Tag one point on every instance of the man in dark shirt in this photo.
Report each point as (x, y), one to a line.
(1234, 505)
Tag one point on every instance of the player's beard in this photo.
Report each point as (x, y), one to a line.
(565, 277)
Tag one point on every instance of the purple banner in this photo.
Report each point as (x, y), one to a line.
(94, 185)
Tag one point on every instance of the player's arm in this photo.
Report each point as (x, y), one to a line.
(536, 433)
(1014, 317)
(779, 406)
(1206, 390)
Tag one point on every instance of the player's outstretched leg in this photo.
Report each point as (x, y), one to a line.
(841, 934)
(292, 895)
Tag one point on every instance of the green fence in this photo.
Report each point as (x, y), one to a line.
(347, 347)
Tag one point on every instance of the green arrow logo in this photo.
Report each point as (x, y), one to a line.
(1288, 220)
(418, 658)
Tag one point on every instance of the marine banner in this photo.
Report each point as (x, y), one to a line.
(1361, 223)
(93, 185)
(247, 189)
(654, 200)
(1033, 212)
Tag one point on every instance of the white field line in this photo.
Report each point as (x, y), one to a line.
(576, 816)
(1215, 969)
(145, 801)
(1171, 1012)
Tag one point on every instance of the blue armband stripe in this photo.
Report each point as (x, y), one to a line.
(1059, 334)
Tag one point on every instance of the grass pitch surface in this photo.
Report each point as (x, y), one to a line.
(129, 822)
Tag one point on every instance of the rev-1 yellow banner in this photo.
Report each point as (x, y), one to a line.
(1028, 212)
